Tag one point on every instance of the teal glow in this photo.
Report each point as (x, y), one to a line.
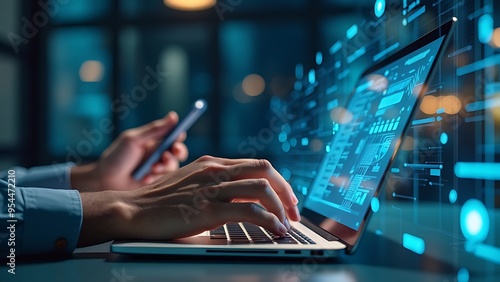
(487, 171)
(463, 275)
(487, 252)
(328, 148)
(443, 138)
(293, 142)
(312, 76)
(453, 196)
(413, 243)
(285, 147)
(485, 28)
(299, 71)
(286, 173)
(319, 58)
(297, 85)
(286, 128)
(375, 204)
(474, 221)
(282, 137)
(352, 31)
(379, 8)
(305, 141)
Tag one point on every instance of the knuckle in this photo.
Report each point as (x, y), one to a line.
(211, 167)
(127, 135)
(261, 184)
(205, 158)
(263, 164)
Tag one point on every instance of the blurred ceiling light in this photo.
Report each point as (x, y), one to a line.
(495, 38)
(253, 85)
(91, 71)
(190, 5)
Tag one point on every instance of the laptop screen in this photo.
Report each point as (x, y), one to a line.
(369, 130)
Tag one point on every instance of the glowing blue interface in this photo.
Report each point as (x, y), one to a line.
(441, 195)
(369, 131)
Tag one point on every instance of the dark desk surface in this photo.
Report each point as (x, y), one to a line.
(378, 259)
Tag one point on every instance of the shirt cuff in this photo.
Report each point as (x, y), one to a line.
(56, 176)
(50, 220)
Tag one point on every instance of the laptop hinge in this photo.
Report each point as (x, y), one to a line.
(320, 231)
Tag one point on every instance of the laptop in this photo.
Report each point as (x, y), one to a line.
(344, 193)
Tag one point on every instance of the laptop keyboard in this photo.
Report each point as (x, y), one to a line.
(247, 233)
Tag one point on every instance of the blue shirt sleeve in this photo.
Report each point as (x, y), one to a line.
(42, 220)
(55, 176)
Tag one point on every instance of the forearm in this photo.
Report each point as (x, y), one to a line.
(106, 216)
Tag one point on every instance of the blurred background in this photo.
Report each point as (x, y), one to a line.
(68, 65)
(276, 74)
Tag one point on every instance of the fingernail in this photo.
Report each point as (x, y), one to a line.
(283, 229)
(287, 224)
(295, 200)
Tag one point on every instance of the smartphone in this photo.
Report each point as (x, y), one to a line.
(199, 107)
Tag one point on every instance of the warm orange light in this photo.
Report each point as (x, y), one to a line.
(429, 105)
(495, 38)
(341, 115)
(451, 104)
(190, 5)
(379, 82)
(253, 85)
(91, 71)
(316, 145)
(408, 144)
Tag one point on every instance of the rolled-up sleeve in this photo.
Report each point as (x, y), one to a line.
(44, 220)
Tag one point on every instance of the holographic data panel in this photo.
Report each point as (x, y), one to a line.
(364, 145)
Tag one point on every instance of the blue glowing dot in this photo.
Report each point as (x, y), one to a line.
(286, 128)
(394, 194)
(405, 22)
(299, 71)
(286, 173)
(319, 58)
(453, 196)
(297, 86)
(474, 221)
(293, 142)
(379, 8)
(463, 275)
(282, 136)
(375, 204)
(328, 148)
(443, 138)
(485, 28)
(312, 76)
(285, 147)
(304, 141)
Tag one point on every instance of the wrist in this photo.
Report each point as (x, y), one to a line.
(85, 178)
(107, 216)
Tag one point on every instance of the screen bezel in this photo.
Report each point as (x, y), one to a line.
(346, 235)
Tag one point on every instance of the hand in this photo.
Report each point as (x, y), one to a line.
(198, 197)
(113, 170)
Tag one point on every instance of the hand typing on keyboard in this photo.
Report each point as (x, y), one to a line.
(202, 196)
